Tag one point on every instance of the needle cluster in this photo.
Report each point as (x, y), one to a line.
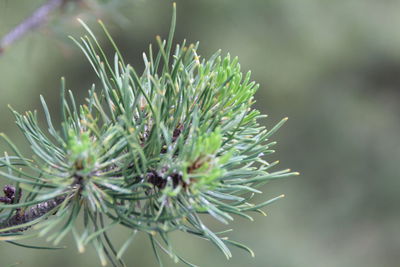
(151, 152)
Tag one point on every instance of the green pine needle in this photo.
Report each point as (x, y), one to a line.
(150, 151)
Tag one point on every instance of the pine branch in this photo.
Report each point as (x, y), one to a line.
(153, 152)
(35, 20)
(29, 215)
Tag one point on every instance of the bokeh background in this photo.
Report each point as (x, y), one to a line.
(332, 67)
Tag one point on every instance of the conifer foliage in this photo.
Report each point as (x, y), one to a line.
(149, 151)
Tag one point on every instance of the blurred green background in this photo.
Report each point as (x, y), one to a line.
(332, 67)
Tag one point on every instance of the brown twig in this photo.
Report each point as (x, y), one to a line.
(33, 213)
(38, 18)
